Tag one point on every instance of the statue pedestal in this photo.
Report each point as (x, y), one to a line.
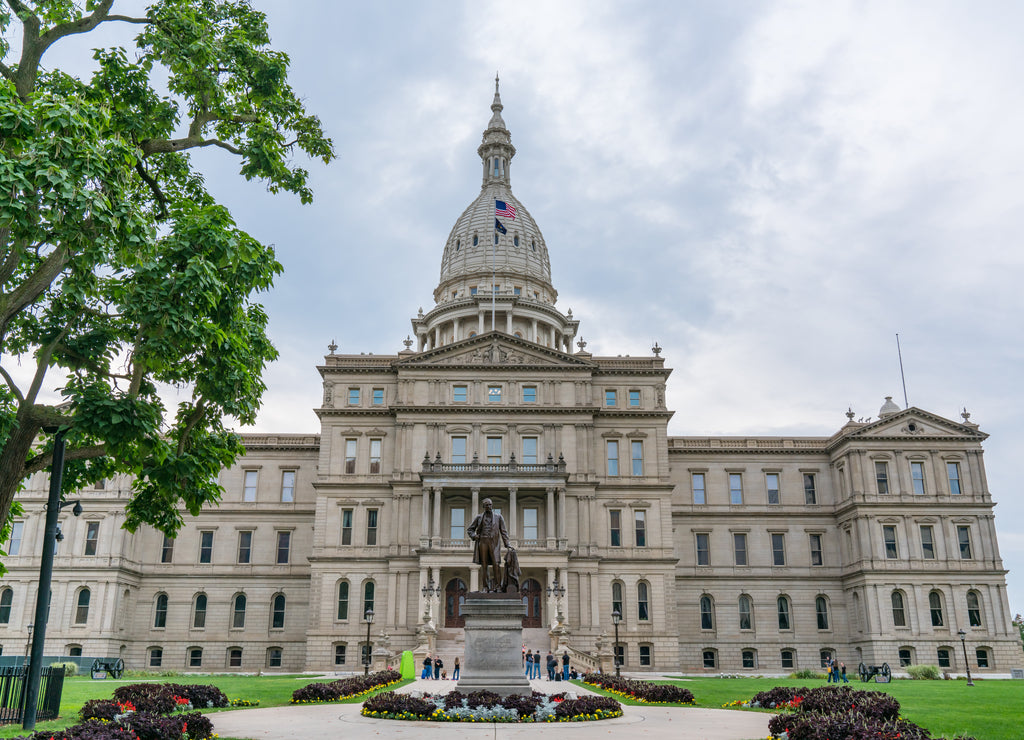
(494, 639)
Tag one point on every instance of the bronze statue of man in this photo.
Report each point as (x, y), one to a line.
(488, 533)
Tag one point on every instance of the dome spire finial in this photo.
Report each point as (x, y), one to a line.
(496, 150)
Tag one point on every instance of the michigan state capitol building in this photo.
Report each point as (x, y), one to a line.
(731, 554)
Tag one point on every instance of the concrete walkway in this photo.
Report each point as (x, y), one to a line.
(331, 721)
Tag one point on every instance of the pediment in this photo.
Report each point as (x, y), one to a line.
(494, 349)
(913, 423)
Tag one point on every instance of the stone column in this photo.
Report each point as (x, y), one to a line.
(456, 325)
(480, 321)
(425, 524)
(393, 599)
(474, 577)
(435, 538)
(508, 321)
(533, 325)
(437, 336)
(513, 517)
(561, 514)
(552, 599)
(551, 518)
(435, 600)
(475, 502)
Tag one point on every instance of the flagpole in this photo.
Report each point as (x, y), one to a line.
(494, 262)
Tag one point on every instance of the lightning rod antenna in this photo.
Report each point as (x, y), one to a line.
(906, 403)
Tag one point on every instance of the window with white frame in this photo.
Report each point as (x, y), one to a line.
(889, 540)
(782, 604)
(82, 606)
(735, 488)
(746, 612)
(494, 450)
(953, 475)
(14, 542)
(697, 484)
(821, 612)
(460, 393)
(351, 447)
(636, 457)
(778, 548)
(287, 485)
(810, 489)
(927, 542)
(640, 528)
(963, 538)
(238, 612)
(974, 609)
(529, 394)
(371, 527)
(375, 449)
(634, 398)
(899, 610)
(199, 612)
(92, 537)
(917, 476)
(702, 540)
(935, 608)
(530, 524)
(284, 546)
(346, 526)
(817, 557)
(882, 476)
(771, 481)
(251, 479)
(459, 450)
(206, 546)
(739, 548)
(615, 518)
(529, 451)
(378, 396)
(494, 393)
(457, 530)
(245, 547)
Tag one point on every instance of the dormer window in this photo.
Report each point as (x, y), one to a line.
(515, 240)
(476, 240)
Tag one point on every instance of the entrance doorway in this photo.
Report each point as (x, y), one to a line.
(531, 592)
(454, 599)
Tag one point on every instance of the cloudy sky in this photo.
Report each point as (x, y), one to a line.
(770, 190)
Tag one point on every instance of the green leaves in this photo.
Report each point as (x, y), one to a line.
(116, 264)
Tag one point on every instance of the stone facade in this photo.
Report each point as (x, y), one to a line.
(729, 554)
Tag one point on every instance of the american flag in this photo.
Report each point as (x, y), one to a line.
(501, 208)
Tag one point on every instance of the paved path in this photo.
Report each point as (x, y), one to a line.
(331, 721)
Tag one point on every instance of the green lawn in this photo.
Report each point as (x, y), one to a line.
(990, 710)
(272, 691)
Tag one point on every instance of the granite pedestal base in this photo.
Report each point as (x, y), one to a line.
(494, 645)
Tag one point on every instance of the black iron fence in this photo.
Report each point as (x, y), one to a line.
(13, 685)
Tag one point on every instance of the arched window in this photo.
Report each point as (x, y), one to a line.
(156, 657)
(458, 244)
(710, 656)
(199, 612)
(476, 240)
(6, 599)
(974, 608)
(788, 658)
(368, 590)
(899, 611)
(515, 240)
(749, 657)
(343, 600)
(935, 607)
(617, 597)
(783, 604)
(643, 612)
(277, 620)
(82, 609)
(234, 657)
(821, 609)
(746, 613)
(160, 612)
(195, 657)
(238, 612)
(274, 655)
(707, 613)
(856, 612)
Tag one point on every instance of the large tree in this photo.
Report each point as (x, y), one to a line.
(119, 273)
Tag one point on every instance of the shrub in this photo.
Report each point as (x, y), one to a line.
(70, 667)
(849, 725)
(99, 709)
(588, 705)
(834, 700)
(202, 696)
(778, 696)
(807, 674)
(388, 703)
(642, 690)
(147, 697)
(200, 727)
(343, 688)
(924, 672)
(149, 726)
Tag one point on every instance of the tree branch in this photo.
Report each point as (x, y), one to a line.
(127, 19)
(82, 25)
(42, 462)
(161, 146)
(194, 418)
(154, 186)
(43, 364)
(6, 71)
(34, 285)
(12, 385)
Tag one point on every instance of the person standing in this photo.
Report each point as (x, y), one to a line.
(528, 662)
(551, 667)
(438, 665)
(842, 667)
(427, 668)
(565, 665)
(455, 670)
(536, 663)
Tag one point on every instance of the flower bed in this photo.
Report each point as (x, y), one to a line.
(145, 711)
(345, 688)
(837, 713)
(486, 706)
(642, 691)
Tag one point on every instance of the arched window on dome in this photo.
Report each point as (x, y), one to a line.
(458, 244)
(476, 240)
(533, 245)
(497, 167)
(495, 237)
(515, 240)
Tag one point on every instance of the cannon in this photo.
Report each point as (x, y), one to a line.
(880, 673)
(112, 666)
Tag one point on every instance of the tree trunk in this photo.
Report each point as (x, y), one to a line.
(12, 462)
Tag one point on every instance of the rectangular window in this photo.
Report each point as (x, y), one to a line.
(472, 290)
(634, 398)
(274, 656)
(206, 547)
(609, 397)
(640, 520)
(284, 546)
(371, 526)
(235, 658)
(612, 447)
(772, 482)
(457, 531)
(739, 548)
(889, 538)
(494, 449)
(353, 396)
(529, 450)
(529, 394)
(703, 549)
(645, 655)
(530, 519)
(697, 482)
(375, 445)
(917, 477)
(378, 396)
(195, 657)
(460, 394)
(636, 456)
(156, 657)
(244, 547)
(905, 657)
(816, 556)
(810, 491)
(251, 478)
(882, 477)
(494, 393)
(788, 659)
(346, 526)
(778, 548)
(92, 536)
(953, 473)
(517, 290)
(927, 542)
(735, 488)
(166, 550)
(709, 658)
(981, 654)
(288, 485)
(616, 527)
(14, 543)
(339, 655)
(963, 536)
(350, 456)
(459, 450)
(943, 656)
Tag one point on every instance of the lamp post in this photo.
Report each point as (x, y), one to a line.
(558, 591)
(28, 643)
(963, 644)
(50, 538)
(368, 616)
(616, 618)
(429, 592)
